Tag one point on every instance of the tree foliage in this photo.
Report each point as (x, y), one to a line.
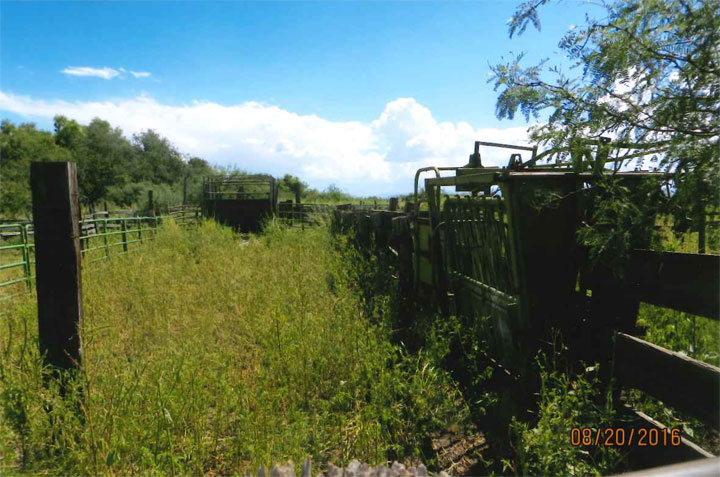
(293, 185)
(647, 75)
(156, 158)
(111, 167)
(19, 145)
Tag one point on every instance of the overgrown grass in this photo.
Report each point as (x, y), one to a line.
(206, 353)
(565, 402)
(525, 441)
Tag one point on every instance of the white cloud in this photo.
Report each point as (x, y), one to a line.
(104, 73)
(379, 157)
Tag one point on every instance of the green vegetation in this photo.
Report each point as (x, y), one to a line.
(565, 403)
(117, 170)
(110, 167)
(646, 75)
(205, 353)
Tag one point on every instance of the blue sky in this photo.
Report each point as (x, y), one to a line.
(353, 93)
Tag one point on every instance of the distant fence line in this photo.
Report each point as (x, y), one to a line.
(102, 234)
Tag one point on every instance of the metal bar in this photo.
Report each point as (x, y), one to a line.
(11, 265)
(11, 247)
(12, 282)
(93, 248)
(507, 146)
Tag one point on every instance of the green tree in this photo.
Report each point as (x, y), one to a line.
(20, 145)
(293, 185)
(102, 161)
(156, 159)
(68, 133)
(197, 168)
(647, 75)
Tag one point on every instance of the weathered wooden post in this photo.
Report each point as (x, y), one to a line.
(123, 229)
(151, 204)
(139, 225)
(393, 204)
(185, 190)
(105, 238)
(57, 262)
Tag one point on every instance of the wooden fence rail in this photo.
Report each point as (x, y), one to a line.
(676, 379)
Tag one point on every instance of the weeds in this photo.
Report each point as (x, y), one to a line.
(564, 402)
(207, 353)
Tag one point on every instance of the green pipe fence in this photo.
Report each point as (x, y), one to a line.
(300, 215)
(100, 239)
(17, 258)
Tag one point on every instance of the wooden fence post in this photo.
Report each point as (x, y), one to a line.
(123, 229)
(393, 204)
(105, 239)
(151, 204)
(57, 262)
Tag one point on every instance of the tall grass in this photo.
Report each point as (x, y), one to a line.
(565, 402)
(205, 353)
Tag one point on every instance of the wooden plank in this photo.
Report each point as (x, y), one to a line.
(58, 261)
(679, 381)
(653, 456)
(500, 302)
(694, 468)
(682, 281)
